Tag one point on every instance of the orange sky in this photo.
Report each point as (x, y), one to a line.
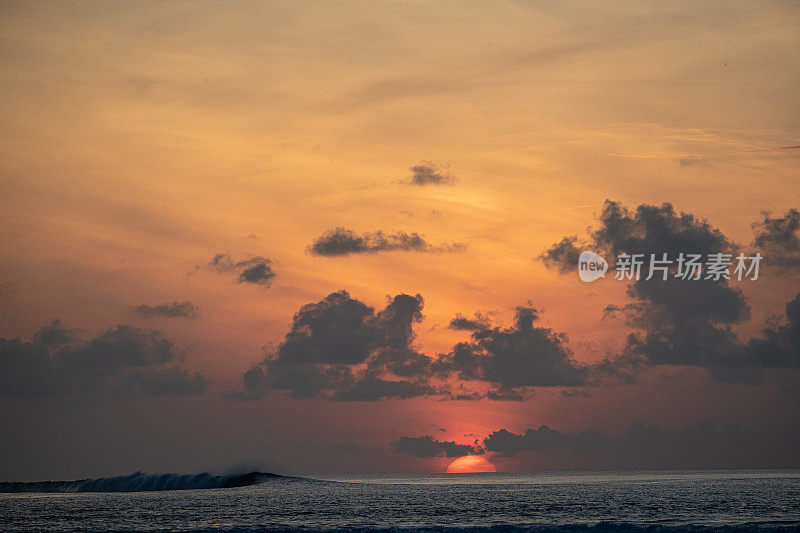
(139, 140)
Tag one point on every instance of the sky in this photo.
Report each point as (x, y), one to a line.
(328, 237)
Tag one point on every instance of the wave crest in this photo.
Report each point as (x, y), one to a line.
(141, 482)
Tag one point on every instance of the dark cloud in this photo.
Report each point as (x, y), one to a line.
(341, 241)
(428, 173)
(427, 446)
(655, 229)
(341, 349)
(611, 311)
(167, 310)
(701, 446)
(372, 388)
(255, 270)
(120, 361)
(779, 239)
(544, 438)
(641, 446)
(53, 335)
(512, 359)
(619, 368)
(685, 321)
(779, 344)
(563, 255)
(679, 321)
(462, 323)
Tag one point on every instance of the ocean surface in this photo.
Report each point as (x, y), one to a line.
(698, 501)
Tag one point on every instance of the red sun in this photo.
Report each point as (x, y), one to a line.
(469, 464)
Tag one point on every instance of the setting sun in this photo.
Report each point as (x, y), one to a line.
(469, 464)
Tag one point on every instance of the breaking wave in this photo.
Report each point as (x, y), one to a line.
(140, 482)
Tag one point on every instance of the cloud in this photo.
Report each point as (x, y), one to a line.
(462, 323)
(640, 446)
(611, 311)
(341, 349)
(655, 229)
(341, 241)
(563, 255)
(372, 388)
(544, 438)
(255, 270)
(678, 321)
(122, 360)
(167, 310)
(700, 446)
(54, 335)
(779, 239)
(779, 344)
(512, 359)
(427, 446)
(428, 173)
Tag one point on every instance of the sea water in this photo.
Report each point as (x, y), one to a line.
(609, 501)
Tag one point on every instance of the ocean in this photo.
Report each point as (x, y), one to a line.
(697, 501)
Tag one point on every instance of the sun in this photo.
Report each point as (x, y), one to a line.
(470, 463)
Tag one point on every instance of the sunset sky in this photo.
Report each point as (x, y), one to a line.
(205, 170)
